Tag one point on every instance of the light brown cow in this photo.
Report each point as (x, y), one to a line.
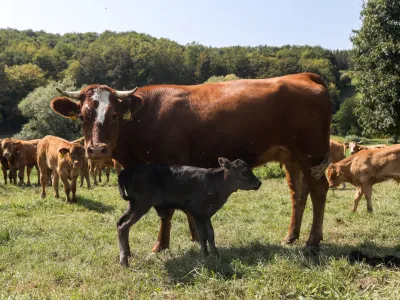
(6, 168)
(364, 169)
(20, 154)
(96, 167)
(84, 174)
(355, 147)
(337, 153)
(65, 159)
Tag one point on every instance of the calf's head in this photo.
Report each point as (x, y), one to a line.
(334, 175)
(76, 154)
(10, 148)
(239, 174)
(100, 109)
(354, 148)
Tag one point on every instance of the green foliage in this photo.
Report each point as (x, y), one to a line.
(268, 171)
(376, 54)
(42, 120)
(352, 138)
(229, 77)
(345, 121)
(345, 79)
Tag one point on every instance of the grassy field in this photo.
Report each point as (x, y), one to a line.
(51, 249)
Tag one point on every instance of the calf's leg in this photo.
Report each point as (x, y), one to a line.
(201, 227)
(163, 239)
(28, 174)
(43, 182)
(73, 188)
(368, 195)
(56, 178)
(21, 175)
(192, 227)
(130, 217)
(357, 196)
(108, 173)
(5, 175)
(211, 237)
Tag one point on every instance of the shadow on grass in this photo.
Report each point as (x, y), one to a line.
(94, 205)
(236, 262)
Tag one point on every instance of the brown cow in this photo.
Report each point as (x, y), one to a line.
(65, 159)
(96, 167)
(355, 147)
(5, 167)
(285, 119)
(20, 154)
(366, 168)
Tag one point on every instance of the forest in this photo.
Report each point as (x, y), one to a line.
(36, 59)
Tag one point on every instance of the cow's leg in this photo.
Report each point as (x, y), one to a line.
(87, 179)
(13, 173)
(368, 195)
(43, 182)
(38, 173)
(99, 169)
(357, 196)
(298, 194)
(81, 176)
(318, 190)
(93, 173)
(28, 174)
(67, 187)
(117, 168)
(130, 217)
(211, 237)
(21, 175)
(192, 227)
(201, 227)
(56, 178)
(163, 240)
(73, 188)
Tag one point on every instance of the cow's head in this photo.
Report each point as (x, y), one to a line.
(334, 175)
(10, 147)
(240, 174)
(75, 152)
(101, 110)
(354, 148)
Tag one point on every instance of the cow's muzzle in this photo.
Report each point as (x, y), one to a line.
(7, 155)
(98, 151)
(77, 164)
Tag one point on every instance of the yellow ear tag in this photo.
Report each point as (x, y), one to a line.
(73, 117)
(62, 155)
(127, 116)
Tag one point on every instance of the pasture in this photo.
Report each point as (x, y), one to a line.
(51, 249)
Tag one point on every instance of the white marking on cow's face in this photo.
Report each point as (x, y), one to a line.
(103, 98)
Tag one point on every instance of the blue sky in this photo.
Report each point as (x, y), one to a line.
(212, 23)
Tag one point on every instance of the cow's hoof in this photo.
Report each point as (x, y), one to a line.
(370, 211)
(56, 196)
(43, 195)
(313, 241)
(289, 239)
(124, 261)
(158, 247)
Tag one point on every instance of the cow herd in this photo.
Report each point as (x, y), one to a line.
(171, 141)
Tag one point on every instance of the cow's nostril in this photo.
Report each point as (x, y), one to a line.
(104, 150)
(90, 150)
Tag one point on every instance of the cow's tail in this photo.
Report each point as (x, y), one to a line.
(319, 170)
(123, 179)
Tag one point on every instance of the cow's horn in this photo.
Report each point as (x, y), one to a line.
(123, 94)
(73, 95)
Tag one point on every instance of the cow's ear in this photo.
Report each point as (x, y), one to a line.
(65, 107)
(224, 163)
(130, 106)
(17, 144)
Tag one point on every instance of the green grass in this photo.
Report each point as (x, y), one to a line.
(51, 249)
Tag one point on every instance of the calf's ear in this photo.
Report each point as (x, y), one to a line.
(224, 163)
(63, 151)
(65, 107)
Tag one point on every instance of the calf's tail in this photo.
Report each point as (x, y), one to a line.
(123, 179)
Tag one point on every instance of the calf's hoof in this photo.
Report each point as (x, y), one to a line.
(313, 241)
(123, 260)
(43, 195)
(289, 239)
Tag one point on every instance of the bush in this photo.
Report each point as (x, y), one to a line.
(42, 120)
(352, 138)
(268, 171)
(229, 77)
(345, 80)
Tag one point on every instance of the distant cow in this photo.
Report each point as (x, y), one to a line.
(97, 166)
(84, 173)
(337, 153)
(65, 159)
(20, 154)
(355, 147)
(201, 192)
(5, 167)
(364, 169)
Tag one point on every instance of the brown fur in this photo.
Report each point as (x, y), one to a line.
(364, 169)
(65, 159)
(5, 168)
(285, 119)
(20, 154)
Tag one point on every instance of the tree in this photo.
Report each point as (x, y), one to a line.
(229, 77)
(345, 121)
(376, 53)
(42, 120)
